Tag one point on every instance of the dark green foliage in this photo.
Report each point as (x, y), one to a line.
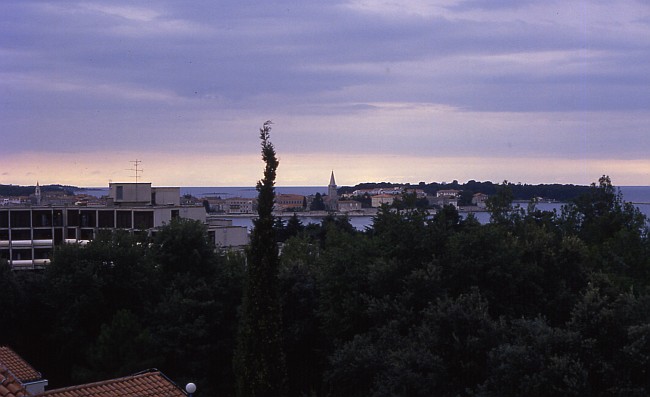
(294, 226)
(16, 190)
(11, 296)
(259, 360)
(122, 304)
(122, 347)
(499, 205)
(302, 332)
(419, 304)
(535, 359)
(445, 352)
(317, 204)
(561, 193)
(86, 287)
(183, 247)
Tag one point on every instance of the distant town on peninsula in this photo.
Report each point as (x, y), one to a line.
(360, 192)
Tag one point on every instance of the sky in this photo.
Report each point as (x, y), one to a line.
(375, 90)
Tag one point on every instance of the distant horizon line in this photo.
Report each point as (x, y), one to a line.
(313, 186)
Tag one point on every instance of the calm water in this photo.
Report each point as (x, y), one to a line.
(635, 194)
(225, 192)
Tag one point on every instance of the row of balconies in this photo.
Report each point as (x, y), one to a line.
(102, 218)
(29, 263)
(27, 243)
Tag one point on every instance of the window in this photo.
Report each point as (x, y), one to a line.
(143, 219)
(119, 193)
(124, 220)
(106, 219)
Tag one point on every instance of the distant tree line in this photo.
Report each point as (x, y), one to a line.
(557, 192)
(535, 303)
(16, 190)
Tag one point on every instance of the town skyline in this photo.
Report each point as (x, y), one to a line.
(529, 92)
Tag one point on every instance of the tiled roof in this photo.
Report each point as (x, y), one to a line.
(18, 367)
(148, 384)
(9, 385)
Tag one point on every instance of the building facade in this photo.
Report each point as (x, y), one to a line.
(285, 202)
(29, 234)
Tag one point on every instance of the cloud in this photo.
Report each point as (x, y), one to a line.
(375, 78)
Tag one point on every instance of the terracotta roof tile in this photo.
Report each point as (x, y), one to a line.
(18, 366)
(10, 386)
(148, 384)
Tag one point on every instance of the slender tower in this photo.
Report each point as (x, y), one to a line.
(332, 195)
(37, 194)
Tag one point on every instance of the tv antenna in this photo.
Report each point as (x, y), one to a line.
(136, 169)
(136, 174)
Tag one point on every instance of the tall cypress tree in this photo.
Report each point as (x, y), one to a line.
(259, 359)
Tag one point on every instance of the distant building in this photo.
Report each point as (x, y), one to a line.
(225, 235)
(449, 193)
(37, 194)
(444, 197)
(28, 234)
(239, 205)
(349, 205)
(332, 195)
(232, 205)
(284, 202)
(419, 193)
(125, 194)
(380, 199)
(395, 190)
(480, 200)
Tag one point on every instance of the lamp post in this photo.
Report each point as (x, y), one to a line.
(190, 388)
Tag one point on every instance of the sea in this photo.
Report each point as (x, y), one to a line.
(638, 195)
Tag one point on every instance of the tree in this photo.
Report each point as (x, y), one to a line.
(10, 296)
(536, 360)
(317, 204)
(122, 347)
(259, 360)
(182, 247)
(294, 226)
(615, 231)
(500, 205)
(85, 286)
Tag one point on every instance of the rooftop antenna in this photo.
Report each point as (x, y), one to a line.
(136, 174)
(136, 169)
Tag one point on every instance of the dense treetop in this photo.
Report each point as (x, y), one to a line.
(534, 303)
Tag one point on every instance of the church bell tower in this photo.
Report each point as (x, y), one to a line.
(332, 195)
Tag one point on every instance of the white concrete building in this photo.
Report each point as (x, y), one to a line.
(380, 199)
(349, 206)
(28, 234)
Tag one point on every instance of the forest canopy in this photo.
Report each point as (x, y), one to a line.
(534, 303)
